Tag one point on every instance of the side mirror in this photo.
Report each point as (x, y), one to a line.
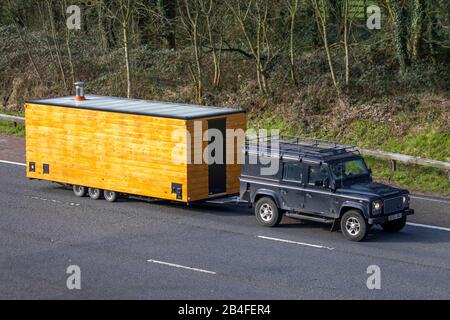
(370, 170)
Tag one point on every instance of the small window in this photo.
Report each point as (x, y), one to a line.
(293, 172)
(46, 169)
(32, 167)
(317, 175)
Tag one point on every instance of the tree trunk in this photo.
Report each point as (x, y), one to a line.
(293, 13)
(168, 8)
(69, 50)
(347, 58)
(399, 35)
(55, 42)
(322, 19)
(127, 58)
(416, 28)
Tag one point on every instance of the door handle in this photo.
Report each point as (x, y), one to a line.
(309, 196)
(283, 191)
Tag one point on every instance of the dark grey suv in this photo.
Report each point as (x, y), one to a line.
(320, 182)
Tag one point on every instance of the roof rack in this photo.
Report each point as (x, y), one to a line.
(297, 147)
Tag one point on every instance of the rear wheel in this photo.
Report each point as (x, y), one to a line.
(354, 226)
(79, 191)
(267, 212)
(394, 226)
(110, 196)
(95, 193)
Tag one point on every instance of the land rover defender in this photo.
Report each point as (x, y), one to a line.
(322, 182)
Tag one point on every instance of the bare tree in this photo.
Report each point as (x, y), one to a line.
(68, 37)
(293, 10)
(25, 45)
(321, 13)
(122, 12)
(207, 8)
(190, 18)
(255, 13)
(55, 42)
(346, 31)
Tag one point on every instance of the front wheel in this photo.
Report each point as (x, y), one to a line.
(267, 212)
(354, 226)
(394, 226)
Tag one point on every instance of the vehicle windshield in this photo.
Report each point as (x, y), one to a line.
(349, 168)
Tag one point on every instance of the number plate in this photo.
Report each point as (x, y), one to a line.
(394, 217)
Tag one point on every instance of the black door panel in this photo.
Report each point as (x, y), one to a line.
(318, 199)
(217, 172)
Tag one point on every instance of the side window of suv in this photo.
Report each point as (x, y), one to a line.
(293, 172)
(316, 175)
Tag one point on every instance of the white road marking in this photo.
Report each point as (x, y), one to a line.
(427, 226)
(180, 266)
(295, 242)
(72, 204)
(14, 163)
(430, 199)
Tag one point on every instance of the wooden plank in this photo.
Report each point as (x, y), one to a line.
(95, 149)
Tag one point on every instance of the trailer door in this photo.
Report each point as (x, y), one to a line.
(217, 170)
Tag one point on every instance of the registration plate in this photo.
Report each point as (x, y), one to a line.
(394, 217)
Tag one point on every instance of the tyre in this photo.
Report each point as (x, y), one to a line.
(267, 212)
(394, 226)
(110, 196)
(354, 226)
(94, 193)
(79, 191)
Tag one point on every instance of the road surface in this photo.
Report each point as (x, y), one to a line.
(138, 249)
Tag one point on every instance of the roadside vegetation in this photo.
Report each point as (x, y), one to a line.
(307, 67)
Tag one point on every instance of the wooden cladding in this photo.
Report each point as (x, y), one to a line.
(121, 152)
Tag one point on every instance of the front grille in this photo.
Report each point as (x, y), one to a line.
(393, 205)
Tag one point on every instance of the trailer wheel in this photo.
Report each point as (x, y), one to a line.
(267, 212)
(110, 196)
(94, 193)
(79, 191)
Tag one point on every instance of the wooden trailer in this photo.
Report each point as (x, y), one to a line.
(127, 146)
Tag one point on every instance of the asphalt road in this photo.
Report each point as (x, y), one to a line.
(137, 249)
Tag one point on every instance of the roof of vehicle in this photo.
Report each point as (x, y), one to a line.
(296, 148)
(138, 107)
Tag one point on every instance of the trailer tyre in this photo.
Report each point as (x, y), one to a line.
(267, 212)
(94, 193)
(79, 191)
(110, 196)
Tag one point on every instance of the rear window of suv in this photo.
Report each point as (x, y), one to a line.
(293, 172)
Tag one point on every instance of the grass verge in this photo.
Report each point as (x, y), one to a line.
(9, 128)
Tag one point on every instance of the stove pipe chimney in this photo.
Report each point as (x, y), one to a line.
(79, 89)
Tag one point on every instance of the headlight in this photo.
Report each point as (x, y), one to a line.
(377, 207)
(406, 201)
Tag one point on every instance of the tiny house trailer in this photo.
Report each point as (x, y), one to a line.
(126, 146)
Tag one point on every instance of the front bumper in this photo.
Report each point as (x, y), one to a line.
(383, 219)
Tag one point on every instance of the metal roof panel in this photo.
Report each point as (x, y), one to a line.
(139, 107)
